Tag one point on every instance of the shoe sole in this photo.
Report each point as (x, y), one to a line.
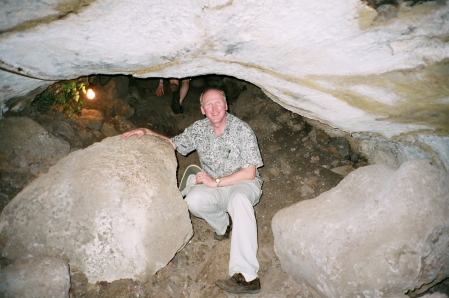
(239, 292)
(220, 237)
(227, 234)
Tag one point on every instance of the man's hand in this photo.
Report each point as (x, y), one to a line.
(203, 177)
(140, 132)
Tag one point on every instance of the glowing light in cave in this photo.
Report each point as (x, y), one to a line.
(90, 93)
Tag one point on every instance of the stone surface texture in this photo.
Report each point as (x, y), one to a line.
(341, 62)
(111, 210)
(36, 278)
(26, 151)
(381, 231)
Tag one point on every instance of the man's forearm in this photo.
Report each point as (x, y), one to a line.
(248, 173)
(140, 132)
(152, 133)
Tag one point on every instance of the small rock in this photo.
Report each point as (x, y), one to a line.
(122, 124)
(314, 159)
(294, 125)
(91, 113)
(312, 135)
(283, 118)
(286, 168)
(343, 170)
(275, 172)
(273, 148)
(91, 122)
(108, 130)
(335, 163)
(63, 129)
(311, 181)
(321, 136)
(306, 190)
(342, 146)
(309, 144)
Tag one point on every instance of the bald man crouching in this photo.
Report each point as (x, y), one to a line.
(229, 183)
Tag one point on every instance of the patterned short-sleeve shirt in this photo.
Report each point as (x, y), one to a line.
(236, 148)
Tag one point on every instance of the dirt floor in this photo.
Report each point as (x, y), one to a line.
(300, 163)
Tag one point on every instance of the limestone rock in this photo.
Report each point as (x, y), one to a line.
(380, 232)
(93, 123)
(36, 278)
(113, 210)
(26, 150)
(108, 130)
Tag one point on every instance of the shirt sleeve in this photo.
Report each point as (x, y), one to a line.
(185, 142)
(250, 148)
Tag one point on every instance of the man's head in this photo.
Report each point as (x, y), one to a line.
(214, 106)
(210, 89)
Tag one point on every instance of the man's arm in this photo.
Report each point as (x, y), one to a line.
(140, 132)
(248, 173)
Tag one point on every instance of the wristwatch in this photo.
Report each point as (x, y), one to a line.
(218, 182)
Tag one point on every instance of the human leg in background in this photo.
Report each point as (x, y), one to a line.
(185, 84)
(160, 88)
(174, 88)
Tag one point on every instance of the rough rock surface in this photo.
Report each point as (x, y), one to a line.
(342, 62)
(26, 151)
(36, 278)
(112, 210)
(380, 232)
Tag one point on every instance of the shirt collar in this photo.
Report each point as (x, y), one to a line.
(227, 125)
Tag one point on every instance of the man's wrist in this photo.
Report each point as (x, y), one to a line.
(218, 182)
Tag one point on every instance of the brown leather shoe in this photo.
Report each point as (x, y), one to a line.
(226, 234)
(238, 285)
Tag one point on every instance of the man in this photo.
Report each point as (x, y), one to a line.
(229, 183)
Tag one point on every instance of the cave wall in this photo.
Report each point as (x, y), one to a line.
(371, 71)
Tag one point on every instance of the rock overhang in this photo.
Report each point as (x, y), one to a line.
(336, 62)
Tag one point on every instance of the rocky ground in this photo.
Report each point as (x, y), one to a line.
(301, 162)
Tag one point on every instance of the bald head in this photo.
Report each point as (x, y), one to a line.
(212, 90)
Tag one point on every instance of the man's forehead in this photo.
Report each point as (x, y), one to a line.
(212, 94)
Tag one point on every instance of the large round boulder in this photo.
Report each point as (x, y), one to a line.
(112, 210)
(380, 232)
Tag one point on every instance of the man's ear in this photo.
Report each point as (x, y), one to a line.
(203, 111)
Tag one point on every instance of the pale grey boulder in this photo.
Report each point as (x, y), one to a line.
(113, 210)
(35, 278)
(380, 232)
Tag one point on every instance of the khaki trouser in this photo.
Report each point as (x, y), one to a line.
(238, 200)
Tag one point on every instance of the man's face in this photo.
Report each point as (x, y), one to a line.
(214, 107)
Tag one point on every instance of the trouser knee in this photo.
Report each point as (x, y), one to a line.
(193, 203)
(239, 202)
